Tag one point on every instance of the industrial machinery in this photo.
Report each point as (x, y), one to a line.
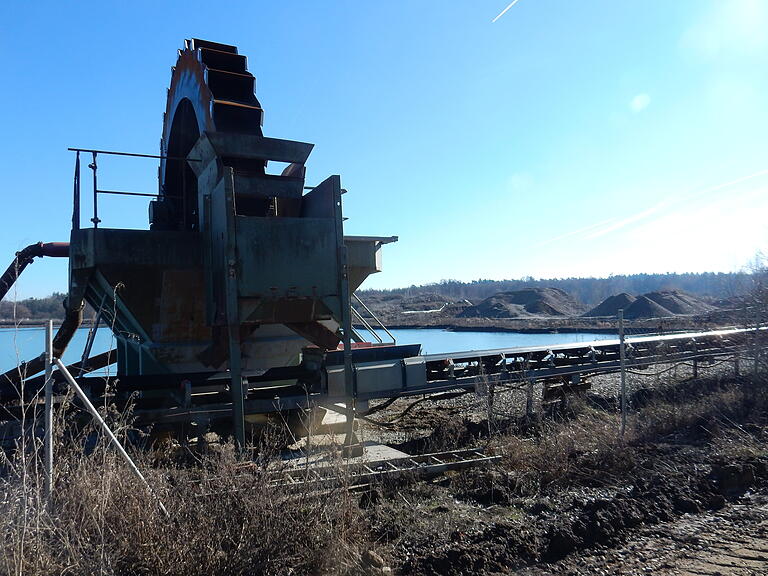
(235, 301)
(240, 269)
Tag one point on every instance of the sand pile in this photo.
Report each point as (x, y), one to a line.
(679, 302)
(644, 307)
(526, 303)
(611, 305)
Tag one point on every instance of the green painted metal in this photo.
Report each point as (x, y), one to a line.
(241, 269)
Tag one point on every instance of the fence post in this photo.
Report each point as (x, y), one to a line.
(529, 399)
(48, 442)
(756, 366)
(623, 374)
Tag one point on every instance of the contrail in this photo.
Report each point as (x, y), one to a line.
(672, 202)
(575, 232)
(629, 220)
(613, 224)
(729, 184)
(505, 10)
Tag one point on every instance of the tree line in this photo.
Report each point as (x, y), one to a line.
(590, 291)
(50, 307)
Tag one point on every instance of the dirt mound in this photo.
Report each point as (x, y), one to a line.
(644, 307)
(730, 303)
(652, 305)
(526, 303)
(427, 301)
(611, 305)
(679, 302)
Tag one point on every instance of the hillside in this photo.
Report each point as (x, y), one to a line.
(50, 307)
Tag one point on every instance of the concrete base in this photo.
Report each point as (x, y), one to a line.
(325, 449)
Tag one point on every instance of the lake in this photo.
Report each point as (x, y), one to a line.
(436, 341)
(18, 344)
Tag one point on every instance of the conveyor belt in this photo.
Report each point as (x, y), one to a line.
(174, 399)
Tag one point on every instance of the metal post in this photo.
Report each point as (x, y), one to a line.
(622, 354)
(76, 194)
(529, 387)
(48, 443)
(736, 367)
(351, 444)
(695, 368)
(93, 166)
(491, 416)
(115, 442)
(349, 377)
(756, 366)
(529, 399)
(233, 317)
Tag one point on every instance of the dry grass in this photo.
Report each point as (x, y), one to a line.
(587, 449)
(223, 519)
(561, 452)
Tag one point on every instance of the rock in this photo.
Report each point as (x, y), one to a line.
(734, 478)
(562, 541)
(686, 505)
(371, 558)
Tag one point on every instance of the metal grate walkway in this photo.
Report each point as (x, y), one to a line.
(356, 473)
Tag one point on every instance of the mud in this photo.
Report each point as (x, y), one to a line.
(627, 508)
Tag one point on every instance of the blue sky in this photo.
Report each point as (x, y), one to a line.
(564, 139)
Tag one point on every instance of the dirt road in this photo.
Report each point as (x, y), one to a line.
(731, 541)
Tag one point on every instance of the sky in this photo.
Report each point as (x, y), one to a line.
(553, 139)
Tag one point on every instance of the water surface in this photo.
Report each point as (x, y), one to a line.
(18, 344)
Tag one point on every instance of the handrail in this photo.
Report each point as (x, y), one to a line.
(374, 317)
(366, 325)
(133, 154)
(96, 191)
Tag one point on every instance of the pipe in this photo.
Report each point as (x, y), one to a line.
(33, 386)
(73, 317)
(25, 257)
(105, 427)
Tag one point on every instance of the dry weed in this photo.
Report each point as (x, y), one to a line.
(224, 519)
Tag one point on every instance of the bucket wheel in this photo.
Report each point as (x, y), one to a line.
(211, 90)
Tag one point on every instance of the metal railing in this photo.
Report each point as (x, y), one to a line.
(93, 165)
(367, 325)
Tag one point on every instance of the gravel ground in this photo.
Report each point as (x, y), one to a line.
(688, 494)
